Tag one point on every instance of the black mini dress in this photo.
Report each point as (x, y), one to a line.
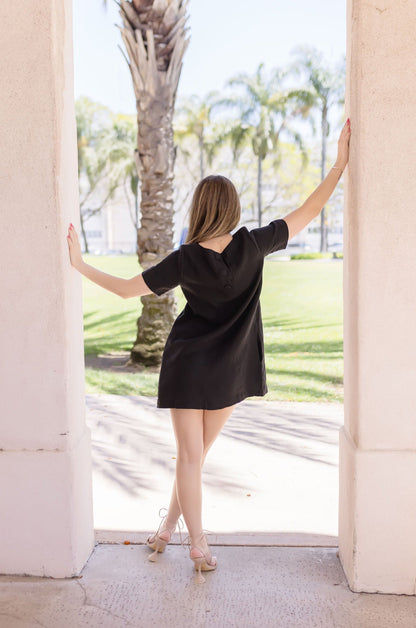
(214, 354)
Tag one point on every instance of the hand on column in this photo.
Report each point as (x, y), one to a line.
(343, 145)
(74, 247)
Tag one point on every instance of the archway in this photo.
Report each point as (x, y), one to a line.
(45, 472)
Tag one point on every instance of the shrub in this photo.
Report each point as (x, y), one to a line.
(311, 256)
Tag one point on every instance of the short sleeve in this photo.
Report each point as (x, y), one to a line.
(165, 275)
(271, 238)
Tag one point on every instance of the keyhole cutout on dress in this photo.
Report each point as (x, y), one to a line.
(215, 241)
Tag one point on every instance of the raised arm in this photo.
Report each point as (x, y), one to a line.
(310, 209)
(125, 288)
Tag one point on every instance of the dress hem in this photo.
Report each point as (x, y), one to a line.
(187, 406)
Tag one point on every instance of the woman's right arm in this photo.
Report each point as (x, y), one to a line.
(310, 209)
(124, 288)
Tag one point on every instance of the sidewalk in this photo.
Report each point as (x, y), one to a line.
(252, 587)
(271, 498)
(273, 469)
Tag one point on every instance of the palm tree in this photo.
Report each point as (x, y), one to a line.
(265, 109)
(105, 152)
(327, 88)
(154, 33)
(194, 119)
(125, 131)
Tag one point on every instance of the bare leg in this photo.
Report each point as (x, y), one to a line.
(213, 422)
(188, 426)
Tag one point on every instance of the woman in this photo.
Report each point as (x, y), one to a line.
(214, 355)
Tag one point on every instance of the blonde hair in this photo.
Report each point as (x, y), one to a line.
(215, 209)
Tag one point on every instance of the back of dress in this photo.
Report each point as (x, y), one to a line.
(214, 354)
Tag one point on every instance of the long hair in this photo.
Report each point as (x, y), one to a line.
(215, 209)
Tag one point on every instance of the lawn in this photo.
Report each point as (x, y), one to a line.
(302, 318)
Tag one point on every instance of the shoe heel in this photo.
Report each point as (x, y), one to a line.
(160, 547)
(199, 578)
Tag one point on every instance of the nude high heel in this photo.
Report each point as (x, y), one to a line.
(156, 541)
(202, 561)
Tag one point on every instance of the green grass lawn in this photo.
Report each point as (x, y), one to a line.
(302, 318)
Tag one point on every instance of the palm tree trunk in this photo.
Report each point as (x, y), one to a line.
(324, 125)
(154, 34)
(259, 189)
(136, 209)
(201, 156)
(84, 235)
(155, 235)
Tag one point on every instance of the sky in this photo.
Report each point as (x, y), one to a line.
(227, 37)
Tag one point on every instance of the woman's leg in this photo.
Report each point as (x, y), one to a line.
(213, 422)
(188, 426)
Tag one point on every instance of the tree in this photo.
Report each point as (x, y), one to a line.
(105, 154)
(194, 119)
(327, 88)
(154, 33)
(265, 108)
(125, 129)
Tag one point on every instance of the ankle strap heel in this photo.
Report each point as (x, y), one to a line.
(201, 562)
(155, 541)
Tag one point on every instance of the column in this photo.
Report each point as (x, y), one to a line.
(377, 505)
(46, 522)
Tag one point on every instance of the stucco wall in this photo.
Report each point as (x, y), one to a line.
(45, 460)
(378, 443)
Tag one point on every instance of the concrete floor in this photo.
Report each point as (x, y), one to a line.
(252, 587)
(271, 500)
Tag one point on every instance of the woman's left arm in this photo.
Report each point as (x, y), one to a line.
(125, 288)
(311, 208)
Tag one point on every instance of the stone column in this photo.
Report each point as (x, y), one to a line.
(46, 523)
(377, 514)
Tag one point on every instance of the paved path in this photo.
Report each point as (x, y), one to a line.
(274, 467)
(252, 587)
(270, 478)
